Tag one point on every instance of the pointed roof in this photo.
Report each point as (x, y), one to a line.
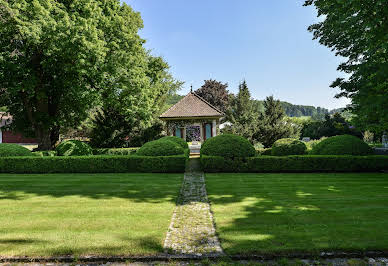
(194, 106)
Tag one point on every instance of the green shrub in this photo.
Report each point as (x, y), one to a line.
(93, 164)
(115, 151)
(310, 144)
(45, 153)
(177, 140)
(296, 164)
(74, 148)
(10, 149)
(288, 146)
(265, 151)
(160, 148)
(342, 145)
(228, 146)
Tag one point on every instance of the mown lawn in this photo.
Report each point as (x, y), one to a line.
(285, 213)
(85, 214)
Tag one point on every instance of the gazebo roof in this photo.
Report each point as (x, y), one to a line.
(192, 106)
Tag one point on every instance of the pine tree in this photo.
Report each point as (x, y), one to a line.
(242, 113)
(272, 125)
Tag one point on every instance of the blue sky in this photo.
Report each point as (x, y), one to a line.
(264, 42)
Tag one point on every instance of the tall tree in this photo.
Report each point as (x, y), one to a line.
(59, 58)
(215, 93)
(117, 125)
(242, 113)
(357, 30)
(272, 125)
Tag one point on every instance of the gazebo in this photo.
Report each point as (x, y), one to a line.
(192, 119)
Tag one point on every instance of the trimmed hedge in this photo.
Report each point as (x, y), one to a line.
(10, 149)
(160, 148)
(295, 163)
(342, 145)
(177, 140)
(73, 148)
(115, 151)
(94, 164)
(288, 146)
(45, 153)
(228, 146)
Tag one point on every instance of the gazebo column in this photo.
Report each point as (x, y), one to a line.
(202, 133)
(214, 128)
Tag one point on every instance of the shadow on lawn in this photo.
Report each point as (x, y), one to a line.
(152, 188)
(281, 215)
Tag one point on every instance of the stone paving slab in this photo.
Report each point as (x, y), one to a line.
(192, 231)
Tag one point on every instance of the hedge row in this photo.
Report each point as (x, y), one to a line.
(297, 163)
(94, 164)
(115, 151)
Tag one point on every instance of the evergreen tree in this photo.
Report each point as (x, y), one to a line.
(271, 124)
(241, 113)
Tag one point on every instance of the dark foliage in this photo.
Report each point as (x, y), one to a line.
(73, 148)
(288, 146)
(228, 146)
(271, 125)
(295, 164)
(94, 164)
(215, 93)
(10, 149)
(160, 148)
(342, 145)
(331, 126)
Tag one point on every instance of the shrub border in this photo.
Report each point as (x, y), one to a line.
(295, 164)
(94, 164)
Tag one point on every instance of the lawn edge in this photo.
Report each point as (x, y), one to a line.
(168, 257)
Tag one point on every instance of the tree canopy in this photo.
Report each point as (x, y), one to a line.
(215, 93)
(58, 59)
(357, 30)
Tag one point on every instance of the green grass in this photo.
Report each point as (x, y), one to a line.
(85, 214)
(284, 213)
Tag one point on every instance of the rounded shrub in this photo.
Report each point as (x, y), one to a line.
(10, 149)
(160, 148)
(73, 148)
(288, 146)
(177, 140)
(342, 145)
(228, 146)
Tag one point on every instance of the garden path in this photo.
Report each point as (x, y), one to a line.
(192, 230)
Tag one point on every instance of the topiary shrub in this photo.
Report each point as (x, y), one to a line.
(9, 149)
(160, 148)
(342, 145)
(73, 148)
(228, 146)
(177, 140)
(288, 146)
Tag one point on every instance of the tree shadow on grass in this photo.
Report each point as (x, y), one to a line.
(299, 213)
(153, 188)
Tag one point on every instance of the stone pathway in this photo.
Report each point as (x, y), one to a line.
(192, 231)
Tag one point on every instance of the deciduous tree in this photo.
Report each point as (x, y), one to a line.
(215, 93)
(59, 58)
(357, 30)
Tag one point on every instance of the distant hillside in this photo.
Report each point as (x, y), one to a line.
(290, 109)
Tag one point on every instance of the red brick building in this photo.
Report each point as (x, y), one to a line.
(7, 136)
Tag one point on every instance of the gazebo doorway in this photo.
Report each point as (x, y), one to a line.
(193, 133)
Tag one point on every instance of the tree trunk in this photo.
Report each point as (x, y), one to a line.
(44, 140)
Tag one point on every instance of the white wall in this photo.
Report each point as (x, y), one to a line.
(1, 136)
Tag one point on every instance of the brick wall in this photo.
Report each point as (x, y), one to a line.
(12, 137)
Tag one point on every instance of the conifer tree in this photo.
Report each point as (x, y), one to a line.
(242, 113)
